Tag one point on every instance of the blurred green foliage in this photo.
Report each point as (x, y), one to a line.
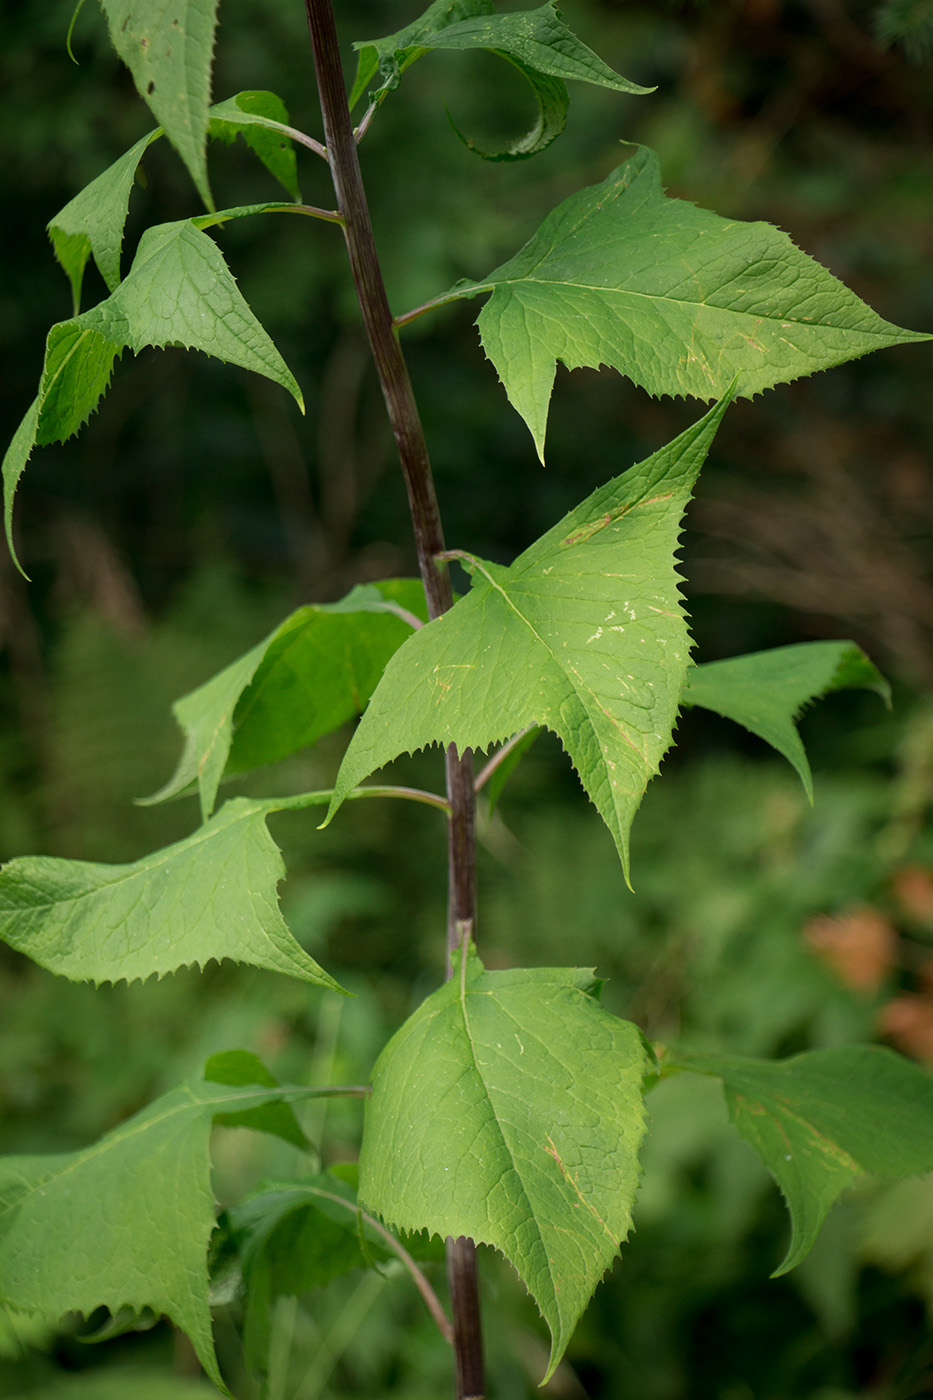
(196, 509)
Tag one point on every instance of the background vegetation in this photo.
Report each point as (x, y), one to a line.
(196, 510)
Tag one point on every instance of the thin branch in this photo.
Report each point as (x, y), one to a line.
(331, 215)
(430, 799)
(361, 130)
(427, 306)
(301, 138)
(432, 1302)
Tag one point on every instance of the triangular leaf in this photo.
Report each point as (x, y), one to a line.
(92, 223)
(584, 634)
(820, 1119)
(680, 300)
(125, 1222)
(509, 1108)
(308, 677)
(179, 291)
(212, 895)
(169, 48)
(766, 691)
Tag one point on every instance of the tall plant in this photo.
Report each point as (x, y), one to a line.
(508, 1109)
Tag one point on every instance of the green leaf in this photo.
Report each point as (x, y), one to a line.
(212, 895)
(537, 39)
(767, 690)
(678, 299)
(820, 1119)
(179, 291)
(293, 1236)
(536, 42)
(168, 48)
(261, 118)
(312, 674)
(239, 1067)
(509, 1108)
(584, 634)
(14, 464)
(125, 1223)
(92, 223)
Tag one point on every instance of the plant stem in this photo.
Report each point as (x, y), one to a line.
(429, 538)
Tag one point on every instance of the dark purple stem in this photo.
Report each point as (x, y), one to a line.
(429, 538)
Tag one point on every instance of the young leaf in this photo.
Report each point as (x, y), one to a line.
(168, 48)
(212, 895)
(820, 1119)
(126, 1222)
(313, 673)
(584, 634)
(767, 690)
(678, 299)
(509, 1108)
(179, 291)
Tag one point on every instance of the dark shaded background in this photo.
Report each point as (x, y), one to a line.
(197, 508)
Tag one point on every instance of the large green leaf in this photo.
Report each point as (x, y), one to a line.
(313, 673)
(767, 690)
(584, 634)
(212, 895)
(536, 42)
(678, 299)
(92, 224)
(509, 1108)
(179, 291)
(168, 48)
(125, 1223)
(820, 1119)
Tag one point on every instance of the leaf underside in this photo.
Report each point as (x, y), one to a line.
(676, 298)
(584, 634)
(820, 1119)
(125, 1223)
(509, 1108)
